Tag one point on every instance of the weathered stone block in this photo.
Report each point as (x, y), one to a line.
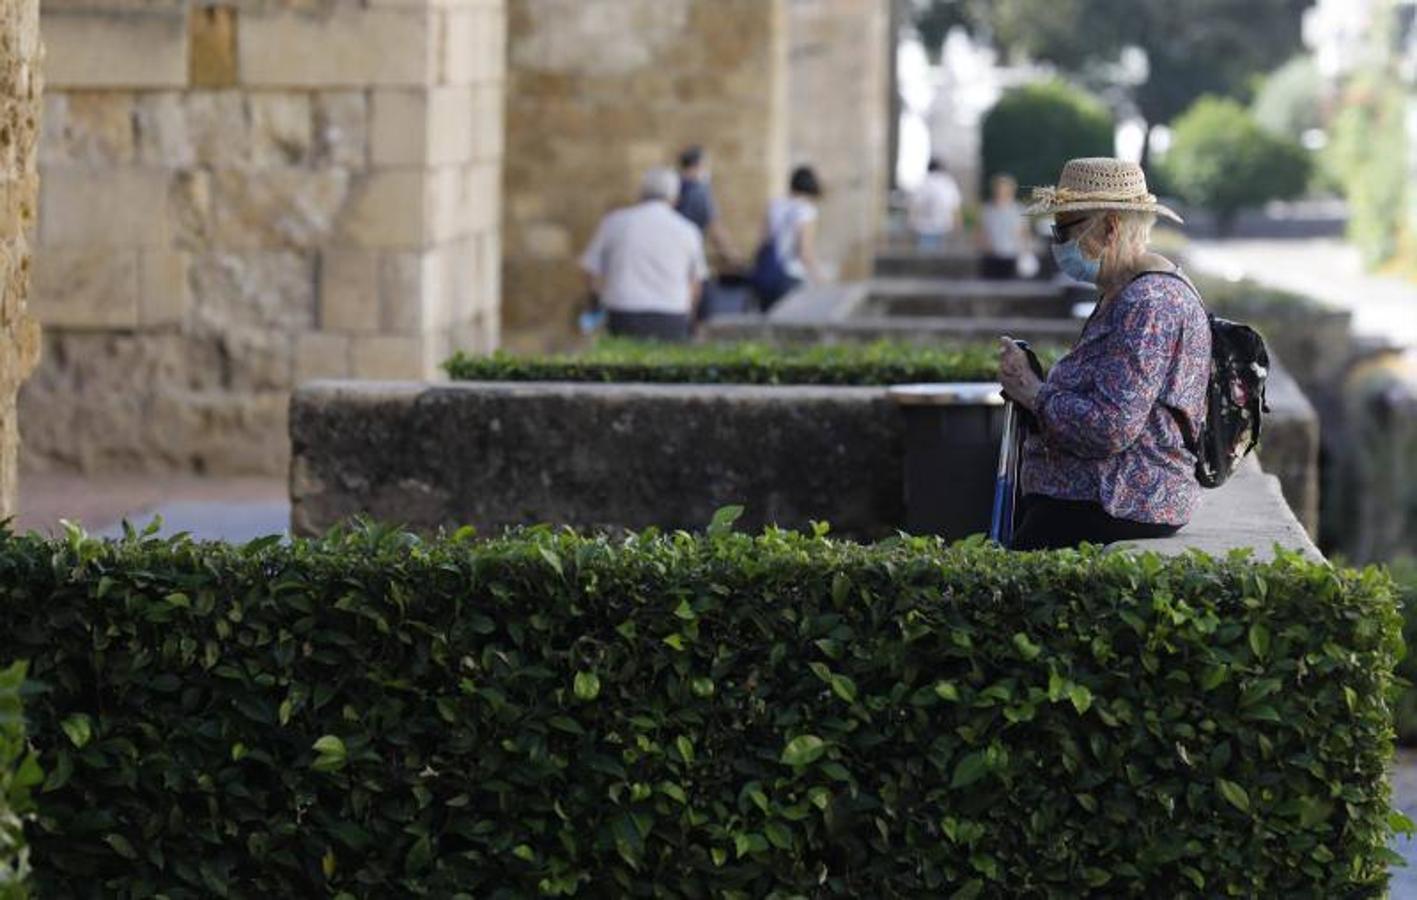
(88, 128)
(462, 39)
(162, 134)
(342, 129)
(321, 355)
(91, 287)
(189, 203)
(211, 39)
(90, 405)
(101, 49)
(349, 290)
(126, 206)
(256, 359)
(272, 289)
(219, 127)
(278, 207)
(281, 129)
(409, 285)
(399, 127)
(488, 133)
(387, 208)
(386, 357)
(163, 290)
(352, 48)
(453, 207)
(450, 124)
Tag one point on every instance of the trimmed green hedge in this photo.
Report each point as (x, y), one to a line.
(619, 360)
(1404, 574)
(724, 715)
(19, 772)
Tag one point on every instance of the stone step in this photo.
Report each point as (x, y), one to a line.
(920, 264)
(972, 297)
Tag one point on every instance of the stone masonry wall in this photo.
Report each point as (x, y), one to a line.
(597, 93)
(840, 112)
(19, 122)
(241, 196)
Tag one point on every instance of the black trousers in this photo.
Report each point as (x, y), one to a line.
(651, 326)
(1046, 523)
(998, 268)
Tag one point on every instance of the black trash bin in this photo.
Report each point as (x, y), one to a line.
(952, 434)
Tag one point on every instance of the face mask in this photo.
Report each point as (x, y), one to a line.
(1076, 266)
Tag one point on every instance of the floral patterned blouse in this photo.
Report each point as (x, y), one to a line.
(1110, 412)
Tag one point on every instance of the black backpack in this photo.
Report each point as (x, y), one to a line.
(1235, 401)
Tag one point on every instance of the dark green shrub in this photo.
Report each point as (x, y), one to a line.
(1033, 130)
(19, 772)
(613, 360)
(1220, 159)
(726, 715)
(1247, 300)
(1404, 574)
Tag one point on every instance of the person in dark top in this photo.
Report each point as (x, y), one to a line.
(696, 203)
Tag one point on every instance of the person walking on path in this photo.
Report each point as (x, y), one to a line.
(646, 263)
(1108, 459)
(787, 255)
(935, 208)
(1003, 230)
(696, 204)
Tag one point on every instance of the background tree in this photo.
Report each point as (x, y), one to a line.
(1193, 48)
(1033, 130)
(1290, 100)
(1222, 160)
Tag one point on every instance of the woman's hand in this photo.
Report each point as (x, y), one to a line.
(1020, 384)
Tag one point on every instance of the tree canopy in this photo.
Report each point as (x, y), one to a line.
(1193, 48)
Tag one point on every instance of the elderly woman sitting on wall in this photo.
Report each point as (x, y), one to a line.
(1107, 460)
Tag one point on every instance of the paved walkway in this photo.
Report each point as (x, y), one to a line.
(1326, 269)
(229, 509)
(1404, 797)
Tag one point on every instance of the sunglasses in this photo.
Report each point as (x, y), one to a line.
(1061, 232)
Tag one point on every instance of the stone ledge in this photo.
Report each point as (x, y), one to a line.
(1248, 511)
(637, 455)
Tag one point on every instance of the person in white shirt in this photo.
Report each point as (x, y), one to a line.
(647, 265)
(1003, 230)
(935, 207)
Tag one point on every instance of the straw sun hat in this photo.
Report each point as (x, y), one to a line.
(1098, 183)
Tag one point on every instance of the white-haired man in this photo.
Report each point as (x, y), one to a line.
(646, 263)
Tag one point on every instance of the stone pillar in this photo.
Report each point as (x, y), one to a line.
(19, 120)
(242, 196)
(841, 120)
(597, 93)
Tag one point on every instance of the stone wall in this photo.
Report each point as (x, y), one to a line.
(840, 112)
(669, 455)
(597, 93)
(240, 196)
(19, 121)
(598, 455)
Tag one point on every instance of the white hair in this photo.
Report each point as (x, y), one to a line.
(1134, 230)
(1132, 238)
(660, 183)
